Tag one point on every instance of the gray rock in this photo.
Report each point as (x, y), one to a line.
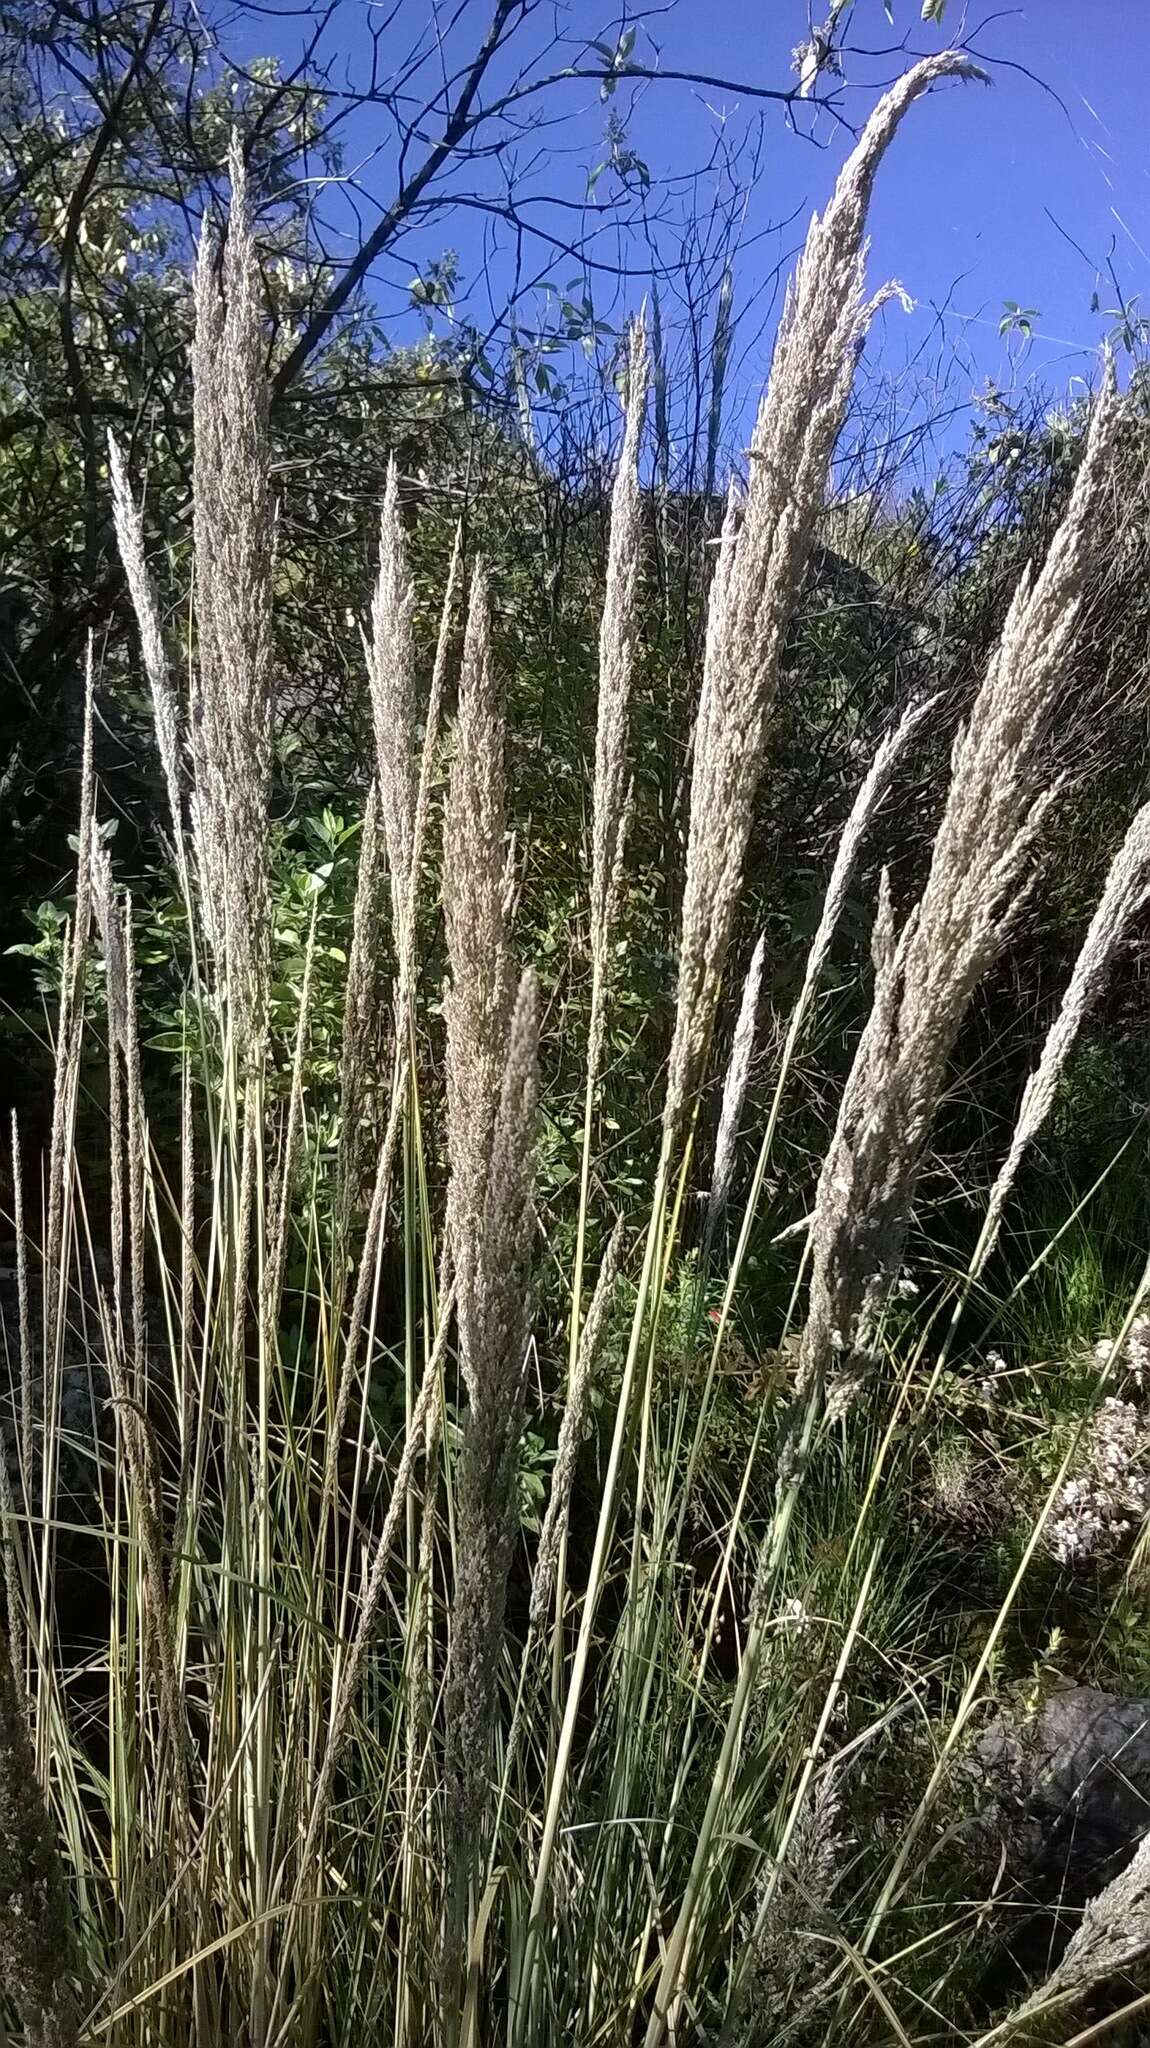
(1070, 1789)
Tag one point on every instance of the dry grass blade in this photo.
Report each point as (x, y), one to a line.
(23, 1305)
(69, 1041)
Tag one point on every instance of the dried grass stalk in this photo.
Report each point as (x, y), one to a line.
(231, 725)
(109, 921)
(926, 975)
(351, 1676)
(35, 1935)
(761, 561)
(66, 1072)
(281, 1188)
(23, 1306)
(373, 1236)
(1112, 1936)
(492, 1319)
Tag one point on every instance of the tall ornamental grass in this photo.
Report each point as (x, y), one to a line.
(304, 1737)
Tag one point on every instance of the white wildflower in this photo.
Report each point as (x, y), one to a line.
(1110, 1492)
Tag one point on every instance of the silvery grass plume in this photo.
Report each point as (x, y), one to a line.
(130, 542)
(231, 726)
(404, 769)
(734, 1093)
(762, 557)
(358, 1015)
(791, 1945)
(926, 974)
(493, 1326)
(1125, 894)
(871, 792)
(478, 1001)
(393, 696)
(35, 1937)
(618, 636)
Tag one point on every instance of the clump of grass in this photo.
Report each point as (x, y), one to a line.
(338, 1757)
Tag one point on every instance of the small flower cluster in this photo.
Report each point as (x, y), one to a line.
(991, 1383)
(1135, 1351)
(796, 1618)
(1110, 1492)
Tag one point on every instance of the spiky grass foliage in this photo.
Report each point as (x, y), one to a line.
(326, 1753)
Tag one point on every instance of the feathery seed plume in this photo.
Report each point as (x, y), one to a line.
(925, 978)
(1125, 894)
(618, 633)
(231, 725)
(761, 562)
(1112, 1935)
(393, 697)
(478, 1002)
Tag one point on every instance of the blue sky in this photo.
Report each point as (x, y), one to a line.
(1035, 191)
